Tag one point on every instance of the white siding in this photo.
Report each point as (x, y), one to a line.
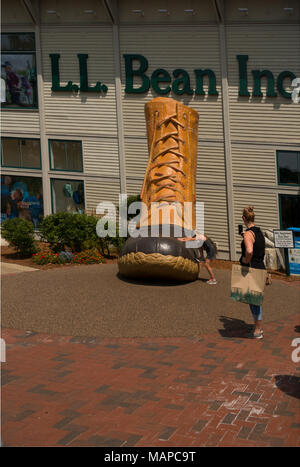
(210, 163)
(254, 165)
(20, 122)
(100, 190)
(68, 113)
(100, 157)
(134, 187)
(275, 48)
(136, 155)
(215, 213)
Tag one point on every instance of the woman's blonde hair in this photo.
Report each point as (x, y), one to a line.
(248, 214)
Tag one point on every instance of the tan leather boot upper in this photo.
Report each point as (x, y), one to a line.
(171, 172)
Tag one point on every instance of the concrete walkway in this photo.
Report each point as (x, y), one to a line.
(11, 268)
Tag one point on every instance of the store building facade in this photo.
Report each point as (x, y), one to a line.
(78, 74)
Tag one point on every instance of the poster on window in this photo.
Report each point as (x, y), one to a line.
(68, 195)
(22, 197)
(19, 73)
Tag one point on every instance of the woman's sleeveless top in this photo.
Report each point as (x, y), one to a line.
(257, 260)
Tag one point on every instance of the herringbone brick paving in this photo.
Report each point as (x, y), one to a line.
(221, 389)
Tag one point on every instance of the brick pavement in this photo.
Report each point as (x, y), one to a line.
(221, 389)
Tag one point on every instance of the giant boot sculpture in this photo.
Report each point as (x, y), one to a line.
(168, 194)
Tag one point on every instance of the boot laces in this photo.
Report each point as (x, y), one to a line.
(170, 182)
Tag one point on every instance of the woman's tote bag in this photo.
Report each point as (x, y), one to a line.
(247, 284)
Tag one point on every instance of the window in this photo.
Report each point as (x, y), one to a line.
(288, 163)
(67, 195)
(21, 153)
(22, 197)
(289, 208)
(18, 70)
(66, 155)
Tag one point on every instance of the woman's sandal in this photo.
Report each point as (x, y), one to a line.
(259, 335)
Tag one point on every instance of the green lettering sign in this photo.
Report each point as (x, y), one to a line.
(258, 75)
(160, 76)
(181, 85)
(140, 72)
(56, 87)
(281, 77)
(84, 86)
(242, 59)
(212, 82)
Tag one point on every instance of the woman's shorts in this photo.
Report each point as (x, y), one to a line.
(211, 255)
(210, 250)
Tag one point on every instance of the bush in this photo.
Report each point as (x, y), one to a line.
(132, 199)
(76, 232)
(50, 229)
(20, 234)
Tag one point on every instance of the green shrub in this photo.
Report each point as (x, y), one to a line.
(20, 234)
(132, 199)
(76, 232)
(51, 230)
(64, 230)
(117, 241)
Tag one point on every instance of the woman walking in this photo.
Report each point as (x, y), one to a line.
(253, 252)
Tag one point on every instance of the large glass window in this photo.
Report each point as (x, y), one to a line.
(67, 195)
(288, 163)
(289, 206)
(21, 153)
(18, 70)
(66, 155)
(22, 197)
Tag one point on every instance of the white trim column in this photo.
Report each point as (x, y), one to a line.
(227, 143)
(111, 8)
(43, 138)
(220, 17)
(120, 126)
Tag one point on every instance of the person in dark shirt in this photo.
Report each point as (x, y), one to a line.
(253, 253)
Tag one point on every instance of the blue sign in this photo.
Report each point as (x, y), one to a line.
(294, 253)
